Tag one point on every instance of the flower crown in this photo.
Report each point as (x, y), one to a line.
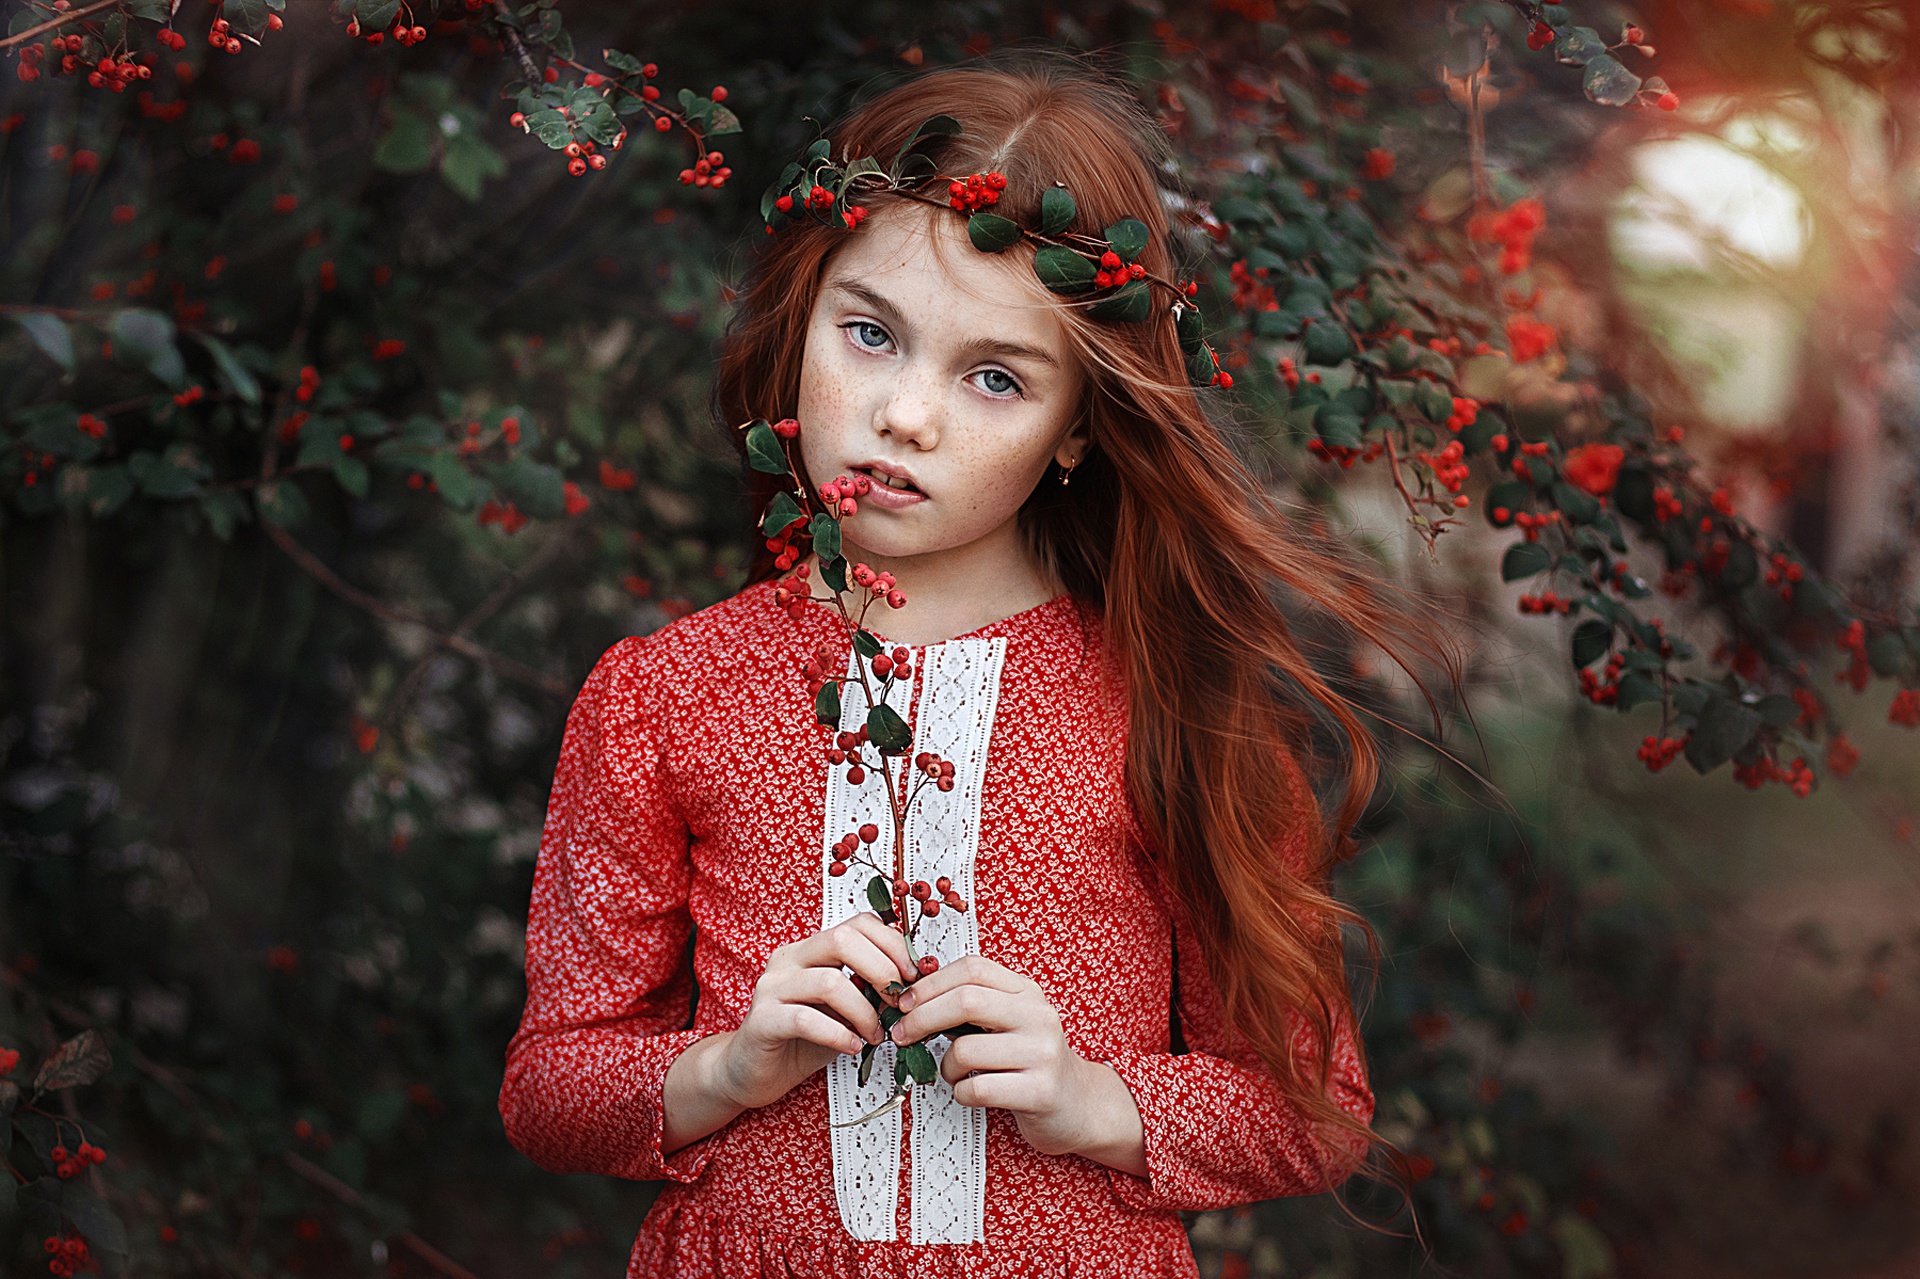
(1066, 262)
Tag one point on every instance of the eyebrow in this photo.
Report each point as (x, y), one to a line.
(978, 346)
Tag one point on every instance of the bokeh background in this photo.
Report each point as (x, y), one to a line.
(286, 663)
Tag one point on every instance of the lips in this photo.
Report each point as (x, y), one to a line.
(881, 473)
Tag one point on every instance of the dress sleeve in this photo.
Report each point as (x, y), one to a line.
(609, 984)
(1218, 1131)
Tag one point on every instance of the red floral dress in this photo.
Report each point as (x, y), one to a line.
(693, 797)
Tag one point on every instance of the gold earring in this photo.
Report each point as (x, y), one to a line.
(1067, 471)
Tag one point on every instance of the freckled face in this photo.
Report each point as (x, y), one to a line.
(940, 362)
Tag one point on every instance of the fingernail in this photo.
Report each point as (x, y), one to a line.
(906, 1001)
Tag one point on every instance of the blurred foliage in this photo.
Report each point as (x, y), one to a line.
(347, 427)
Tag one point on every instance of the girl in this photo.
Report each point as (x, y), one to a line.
(1084, 579)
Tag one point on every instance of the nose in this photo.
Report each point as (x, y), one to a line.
(911, 415)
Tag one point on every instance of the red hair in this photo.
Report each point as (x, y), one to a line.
(1165, 529)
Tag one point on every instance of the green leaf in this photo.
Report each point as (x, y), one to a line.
(1778, 709)
(50, 334)
(936, 126)
(1577, 504)
(1063, 270)
(1636, 689)
(1725, 726)
(176, 473)
(867, 1054)
(920, 1063)
(1128, 237)
(867, 643)
(223, 508)
(880, 893)
(1609, 83)
(625, 63)
(826, 704)
(886, 729)
(1132, 302)
(550, 127)
(834, 573)
(991, 233)
(1591, 639)
(147, 337)
(826, 536)
(1239, 209)
(1327, 343)
(377, 15)
(1577, 46)
(407, 146)
(88, 1211)
(107, 489)
(1433, 400)
(281, 504)
(1056, 211)
(782, 511)
(764, 451)
(468, 162)
(238, 378)
(1524, 559)
(352, 474)
(721, 120)
(1200, 366)
(1189, 328)
(459, 488)
(538, 489)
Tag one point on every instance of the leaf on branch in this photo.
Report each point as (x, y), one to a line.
(407, 146)
(763, 449)
(920, 1063)
(148, 337)
(1609, 83)
(782, 511)
(50, 334)
(1131, 303)
(282, 504)
(936, 126)
(1725, 726)
(1128, 237)
(625, 63)
(991, 233)
(880, 893)
(1063, 270)
(867, 643)
(826, 704)
(78, 1062)
(237, 376)
(826, 536)
(1524, 559)
(886, 729)
(1056, 211)
(1591, 639)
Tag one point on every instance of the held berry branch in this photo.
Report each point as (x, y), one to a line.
(816, 518)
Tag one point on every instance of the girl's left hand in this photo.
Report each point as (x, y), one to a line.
(1025, 1062)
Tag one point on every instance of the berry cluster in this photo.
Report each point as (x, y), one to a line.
(1783, 572)
(880, 584)
(940, 770)
(1531, 524)
(849, 844)
(1797, 776)
(1514, 229)
(1854, 641)
(9, 1058)
(69, 1253)
(895, 665)
(785, 544)
(1657, 752)
(846, 750)
(403, 31)
(1603, 690)
(509, 517)
(1666, 506)
(708, 171)
(1547, 602)
(1905, 710)
(1465, 413)
(1251, 292)
(1449, 468)
(93, 426)
(68, 1164)
(1345, 454)
(792, 593)
(978, 191)
(839, 494)
(817, 198)
(1113, 272)
(923, 892)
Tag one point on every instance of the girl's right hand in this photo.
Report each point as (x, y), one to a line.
(803, 1006)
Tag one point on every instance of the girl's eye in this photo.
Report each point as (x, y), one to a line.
(1009, 390)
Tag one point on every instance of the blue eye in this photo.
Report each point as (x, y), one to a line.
(859, 325)
(1001, 373)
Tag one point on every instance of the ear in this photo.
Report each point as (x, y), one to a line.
(1073, 447)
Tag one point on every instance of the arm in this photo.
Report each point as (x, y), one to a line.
(1213, 1127)
(608, 983)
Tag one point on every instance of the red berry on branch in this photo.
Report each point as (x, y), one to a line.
(928, 964)
(869, 832)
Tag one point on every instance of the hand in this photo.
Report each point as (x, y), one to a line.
(803, 1006)
(1019, 1060)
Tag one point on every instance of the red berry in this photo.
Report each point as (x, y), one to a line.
(869, 833)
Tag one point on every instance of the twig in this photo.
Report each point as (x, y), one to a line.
(397, 701)
(495, 662)
(349, 1196)
(73, 15)
(519, 49)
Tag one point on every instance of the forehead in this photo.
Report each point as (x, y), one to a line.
(921, 259)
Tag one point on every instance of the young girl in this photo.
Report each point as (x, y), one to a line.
(1085, 580)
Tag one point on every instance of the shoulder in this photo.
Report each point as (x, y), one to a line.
(682, 655)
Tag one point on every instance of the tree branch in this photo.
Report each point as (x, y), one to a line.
(51, 24)
(351, 1198)
(495, 662)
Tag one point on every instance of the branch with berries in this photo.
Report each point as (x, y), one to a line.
(791, 517)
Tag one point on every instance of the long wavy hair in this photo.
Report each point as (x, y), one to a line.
(1166, 530)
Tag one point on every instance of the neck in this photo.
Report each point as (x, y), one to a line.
(949, 592)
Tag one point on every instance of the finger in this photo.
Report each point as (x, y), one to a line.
(989, 1052)
(967, 970)
(984, 1006)
(800, 1021)
(862, 943)
(830, 988)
